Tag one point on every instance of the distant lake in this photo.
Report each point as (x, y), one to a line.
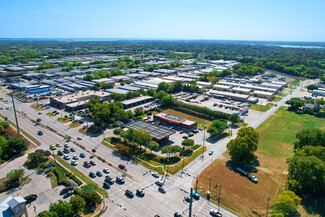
(300, 46)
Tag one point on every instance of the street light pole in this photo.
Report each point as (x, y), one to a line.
(190, 209)
(219, 198)
(268, 202)
(13, 105)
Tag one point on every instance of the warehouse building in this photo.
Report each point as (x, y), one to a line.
(176, 120)
(229, 95)
(38, 89)
(136, 101)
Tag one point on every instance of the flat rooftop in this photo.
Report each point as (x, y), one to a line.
(135, 100)
(156, 131)
(175, 118)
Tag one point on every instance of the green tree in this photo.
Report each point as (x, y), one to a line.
(234, 118)
(117, 132)
(311, 137)
(242, 148)
(217, 127)
(15, 177)
(287, 203)
(178, 86)
(48, 214)
(17, 145)
(163, 86)
(153, 146)
(78, 204)
(62, 208)
(188, 142)
(151, 91)
(168, 100)
(92, 198)
(138, 112)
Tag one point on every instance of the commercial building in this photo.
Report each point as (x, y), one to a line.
(136, 101)
(38, 89)
(175, 120)
(319, 92)
(158, 133)
(76, 101)
(13, 207)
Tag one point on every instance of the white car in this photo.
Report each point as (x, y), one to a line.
(214, 212)
(156, 175)
(58, 145)
(106, 170)
(253, 178)
(66, 157)
(74, 163)
(75, 157)
(66, 145)
(210, 152)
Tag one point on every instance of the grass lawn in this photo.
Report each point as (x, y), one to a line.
(284, 94)
(277, 99)
(35, 106)
(80, 175)
(63, 120)
(262, 108)
(83, 131)
(277, 135)
(74, 125)
(200, 121)
(50, 114)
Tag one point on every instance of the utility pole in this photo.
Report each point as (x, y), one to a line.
(13, 105)
(190, 212)
(203, 141)
(219, 199)
(183, 166)
(268, 202)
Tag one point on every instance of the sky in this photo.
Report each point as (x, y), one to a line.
(273, 20)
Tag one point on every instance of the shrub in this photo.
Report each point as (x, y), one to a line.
(194, 147)
(187, 152)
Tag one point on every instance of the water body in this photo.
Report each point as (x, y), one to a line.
(300, 46)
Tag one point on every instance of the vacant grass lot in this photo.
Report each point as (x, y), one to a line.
(200, 121)
(261, 108)
(277, 135)
(277, 99)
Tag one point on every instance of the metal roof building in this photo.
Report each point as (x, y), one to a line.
(157, 132)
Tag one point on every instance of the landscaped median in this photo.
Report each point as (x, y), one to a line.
(50, 114)
(37, 107)
(152, 161)
(63, 120)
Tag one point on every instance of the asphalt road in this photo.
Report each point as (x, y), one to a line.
(154, 202)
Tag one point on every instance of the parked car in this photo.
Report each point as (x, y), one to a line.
(106, 170)
(120, 180)
(92, 175)
(196, 196)
(68, 194)
(39, 133)
(140, 192)
(92, 163)
(176, 214)
(185, 137)
(129, 193)
(109, 179)
(155, 174)
(60, 153)
(159, 183)
(252, 178)
(210, 152)
(82, 155)
(98, 173)
(79, 138)
(121, 166)
(187, 199)
(106, 185)
(66, 150)
(75, 157)
(58, 145)
(66, 145)
(214, 212)
(87, 164)
(66, 157)
(64, 190)
(74, 163)
(162, 189)
(72, 149)
(30, 198)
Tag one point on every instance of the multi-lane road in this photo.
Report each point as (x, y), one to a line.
(154, 202)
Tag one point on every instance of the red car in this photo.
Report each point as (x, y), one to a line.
(121, 166)
(64, 190)
(87, 164)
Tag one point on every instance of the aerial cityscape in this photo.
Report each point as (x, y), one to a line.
(157, 109)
